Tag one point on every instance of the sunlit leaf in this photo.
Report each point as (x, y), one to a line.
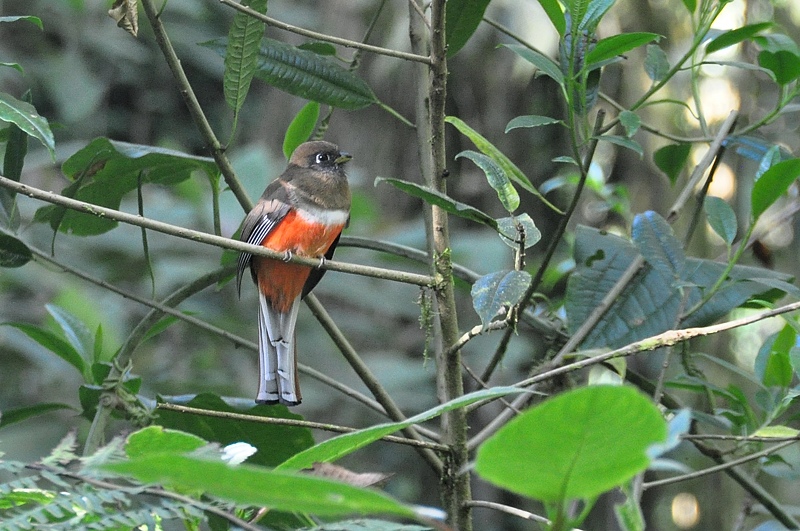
(735, 36)
(576, 445)
(154, 440)
(776, 432)
(617, 45)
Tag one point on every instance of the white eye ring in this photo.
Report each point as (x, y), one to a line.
(323, 157)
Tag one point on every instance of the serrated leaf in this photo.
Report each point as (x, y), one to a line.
(498, 291)
(672, 159)
(617, 45)
(12, 416)
(53, 343)
(543, 63)
(497, 177)
(342, 445)
(735, 36)
(623, 142)
(785, 65)
(445, 202)
(462, 18)
(722, 218)
(658, 245)
(575, 445)
(773, 184)
(13, 253)
(508, 229)
(241, 53)
(630, 121)
(656, 64)
(531, 121)
(488, 149)
(307, 75)
(24, 116)
(301, 128)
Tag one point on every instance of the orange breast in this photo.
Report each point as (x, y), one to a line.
(279, 281)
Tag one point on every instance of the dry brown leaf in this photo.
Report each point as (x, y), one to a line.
(126, 14)
(330, 471)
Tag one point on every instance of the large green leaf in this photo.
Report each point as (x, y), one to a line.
(651, 304)
(576, 445)
(241, 54)
(445, 202)
(24, 115)
(275, 443)
(772, 184)
(616, 45)
(783, 64)
(105, 170)
(307, 75)
(253, 485)
(342, 445)
(462, 19)
(735, 36)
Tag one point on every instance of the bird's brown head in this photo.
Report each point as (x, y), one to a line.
(319, 155)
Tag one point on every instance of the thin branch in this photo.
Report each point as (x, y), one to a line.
(200, 120)
(719, 468)
(296, 422)
(736, 438)
(327, 38)
(212, 239)
(513, 511)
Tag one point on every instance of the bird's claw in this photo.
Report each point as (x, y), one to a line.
(287, 256)
(322, 262)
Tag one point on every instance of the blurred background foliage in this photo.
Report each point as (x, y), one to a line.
(90, 79)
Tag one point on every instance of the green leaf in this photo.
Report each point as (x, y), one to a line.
(785, 65)
(773, 184)
(656, 64)
(773, 366)
(154, 440)
(488, 149)
(616, 45)
(301, 128)
(12, 416)
(319, 47)
(252, 485)
(497, 177)
(275, 443)
(498, 291)
(342, 445)
(445, 202)
(776, 431)
(36, 21)
(367, 525)
(722, 218)
(553, 10)
(671, 159)
(658, 245)
(462, 18)
(576, 445)
(307, 75)
(735, 36)
(13, 253)
(53, 343)
(508, 230)
(24, 116)
(105, 170)
(241, 54)
(543, 63)
(623, 142)
(630, 121)
(74, 330)
(531, 121)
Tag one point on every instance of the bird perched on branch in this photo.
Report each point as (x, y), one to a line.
(301, 213)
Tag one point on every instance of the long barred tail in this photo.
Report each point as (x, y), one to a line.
(277, 355)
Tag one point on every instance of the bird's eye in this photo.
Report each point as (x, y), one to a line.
(323, 157)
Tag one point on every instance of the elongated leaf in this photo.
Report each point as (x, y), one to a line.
(497, 177)
(773, 366)
(36, 21)
(722, 218)
(658, 245)
(74, 330)
(498, 291)
(773, 184)
(307, 75)
(589, 17)
(735, 36)
(656, 64)
(623, 142)
(531, 121)
(13, 253)
(445, 202)
(53, 343)
(241, 54)
(462, 19)
(543, 63)
(12, 416)
(342, 445)
(105, 170)
(556, 16)
(576, 445)
(24, 116)
(488, 149)
(251, 485)
(301, 128)
(671, 159)
(616, 45)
